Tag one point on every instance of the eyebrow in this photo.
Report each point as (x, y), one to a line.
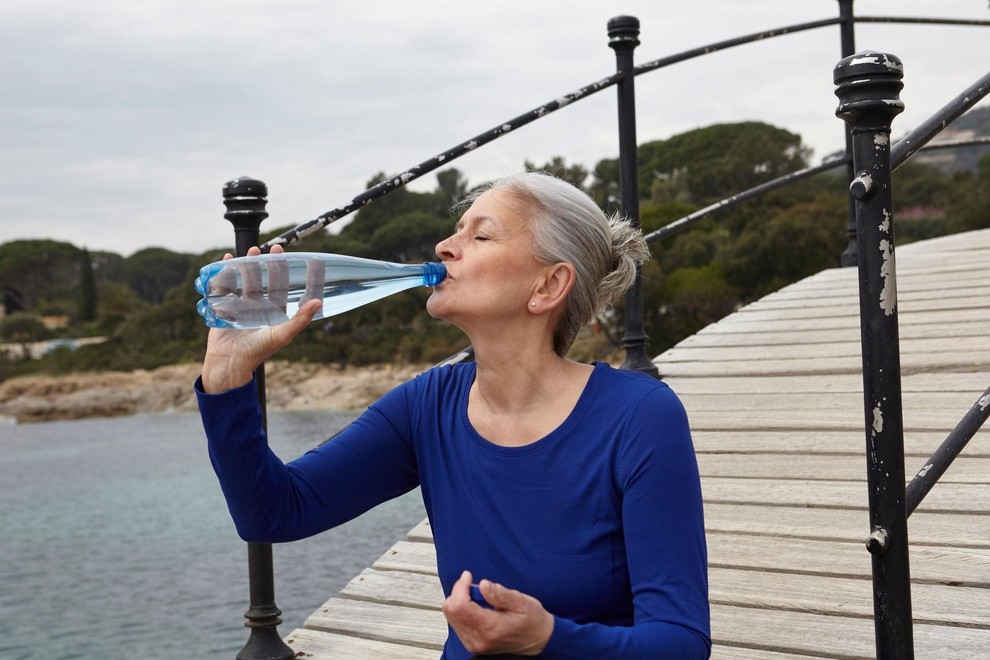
(478, 219)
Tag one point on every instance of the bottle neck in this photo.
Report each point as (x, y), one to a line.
(433, 273)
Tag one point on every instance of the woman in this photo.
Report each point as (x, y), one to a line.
(569, 492)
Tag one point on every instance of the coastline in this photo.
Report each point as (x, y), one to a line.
(289, 386)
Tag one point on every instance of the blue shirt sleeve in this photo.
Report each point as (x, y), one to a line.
(663, 523)
(369, 462)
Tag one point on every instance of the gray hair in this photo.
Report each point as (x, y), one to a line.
(568, 226)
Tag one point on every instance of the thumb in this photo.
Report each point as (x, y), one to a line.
(305, 313)
(287, 331)
(500, 597)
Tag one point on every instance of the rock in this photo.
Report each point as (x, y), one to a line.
(289, 387)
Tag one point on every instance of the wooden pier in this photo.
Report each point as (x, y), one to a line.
(774, 394)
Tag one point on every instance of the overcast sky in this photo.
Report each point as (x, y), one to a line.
(120, 120)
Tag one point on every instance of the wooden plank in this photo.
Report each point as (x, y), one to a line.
(963, 290)
(946, 498)
(835, 636)
(752, 323)
(396, 588)
(971, 383)
(912, 286)
(380, 622)
(409, 556)
(850, 333)
(931, 529)
(421, 532)
(816, 467)
(821, 419)
(910, 363)
(840, 596)
(805, 442)
(951, 403)
(319, 644)
(722, 652)
(942, 306)
(768, 555)
(934, 345)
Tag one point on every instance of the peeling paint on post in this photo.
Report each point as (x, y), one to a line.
(868, 85)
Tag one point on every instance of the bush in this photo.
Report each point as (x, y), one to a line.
(23, 327)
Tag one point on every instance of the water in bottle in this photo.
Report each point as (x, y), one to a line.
(265, 290)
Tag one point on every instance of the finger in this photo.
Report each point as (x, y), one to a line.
(253, 251)
(463, 583)
(227, 255)
(251, 280)
(278, 283)
(316, 276)
(276, 249)
(308, 310)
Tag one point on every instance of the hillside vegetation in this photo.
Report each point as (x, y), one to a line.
(145, 303)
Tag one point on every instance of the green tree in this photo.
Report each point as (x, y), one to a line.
(151, 272)
(32, 270)
(604, 186)
(574, 174)
(87, 288)
(452, 187)
(793, 243)
(395, 203)
(970, 207)
(719, 160)
(410, 237)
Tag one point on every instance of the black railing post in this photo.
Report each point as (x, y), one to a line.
(623, 37)
(868, 86)
(847, 36)
(246, 199)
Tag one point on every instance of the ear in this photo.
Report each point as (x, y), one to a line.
(551, 289)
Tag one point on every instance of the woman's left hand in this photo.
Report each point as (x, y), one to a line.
(516, 624)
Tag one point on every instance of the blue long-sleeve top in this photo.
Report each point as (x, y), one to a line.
(601, 520)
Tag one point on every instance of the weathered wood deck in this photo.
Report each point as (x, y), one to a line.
(774, 393)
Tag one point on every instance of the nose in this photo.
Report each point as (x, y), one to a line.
(446, 249)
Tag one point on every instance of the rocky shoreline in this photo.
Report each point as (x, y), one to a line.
(113, 394)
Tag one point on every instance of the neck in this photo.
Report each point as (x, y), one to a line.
(510, 379)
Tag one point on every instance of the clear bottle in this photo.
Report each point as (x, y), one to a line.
(265, 290)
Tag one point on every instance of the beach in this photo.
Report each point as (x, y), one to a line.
(289, 386)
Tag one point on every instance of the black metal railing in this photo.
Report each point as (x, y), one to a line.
(868, 86)
(246, 199)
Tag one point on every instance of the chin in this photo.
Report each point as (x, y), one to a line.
(434, 307)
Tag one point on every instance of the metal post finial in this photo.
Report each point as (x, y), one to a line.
(246, 200)
(868, 85)
(623, 32)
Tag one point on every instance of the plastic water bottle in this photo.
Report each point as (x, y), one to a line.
(265, 290)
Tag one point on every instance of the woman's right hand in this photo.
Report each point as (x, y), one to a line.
(233, 355)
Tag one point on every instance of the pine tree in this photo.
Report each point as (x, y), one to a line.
(87, 288)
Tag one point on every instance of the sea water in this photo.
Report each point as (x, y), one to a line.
(115, 541)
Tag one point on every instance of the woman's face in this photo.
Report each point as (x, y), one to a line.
(491, 270)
